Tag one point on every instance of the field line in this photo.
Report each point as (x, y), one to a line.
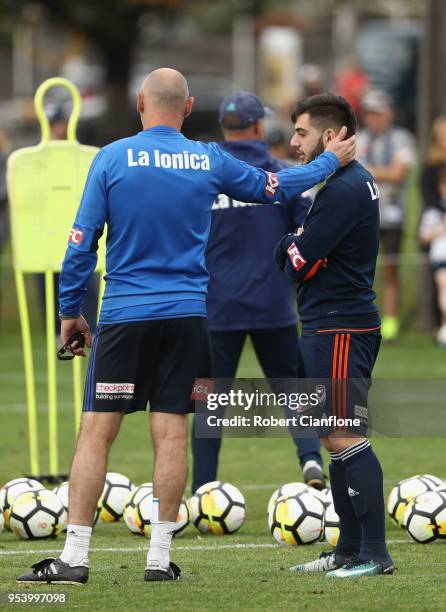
(197, 548)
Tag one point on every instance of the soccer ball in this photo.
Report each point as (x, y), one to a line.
(138, 511)
(286, 490)
(218, 508)
(297, 519)
(2, 521)
(425, 517)
(131, 504)
(331, 525)
(62, 493)
(441, 488)
(37, 514)
(326, 496)
(183, 518)
(12, 489)
(114, 495)
(144, 516)
(320, 495)
(405, 491)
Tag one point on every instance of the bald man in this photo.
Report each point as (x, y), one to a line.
(155, 192)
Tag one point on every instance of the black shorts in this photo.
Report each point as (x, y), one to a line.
(341, 365)
(391, 240)
(134, 363)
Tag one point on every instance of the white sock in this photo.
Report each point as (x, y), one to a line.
(75, 551)
(160, 541)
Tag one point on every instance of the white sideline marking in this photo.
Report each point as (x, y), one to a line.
(47, 551)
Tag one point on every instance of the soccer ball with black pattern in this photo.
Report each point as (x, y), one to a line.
(297, 519)
(144, 516)
(217, 507)
(405, 491)
(37, 514)
(12, 489)
(425, 517)
(62, 493)
(290, 488)
(441, 488)
(114, 495)
(331, 525)
(132, 501)
(326, 496)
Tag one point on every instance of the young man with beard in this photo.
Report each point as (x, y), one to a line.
(333, 258)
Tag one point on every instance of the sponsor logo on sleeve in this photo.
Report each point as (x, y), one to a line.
(272, 183)
(75, 236)
(296, 257)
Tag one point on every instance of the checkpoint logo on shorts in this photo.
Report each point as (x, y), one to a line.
(113, 391)
(201, 389)
(296, 257)
(75, 236)
(272, 183)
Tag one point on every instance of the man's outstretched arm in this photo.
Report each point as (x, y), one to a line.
(243, 182)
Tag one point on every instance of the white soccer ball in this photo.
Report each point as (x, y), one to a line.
(425, 517)
(288, 489)
(441, 487)
(2, 521)
(138, 512)
(114, 495)
(37, 514)
(62, 493)
(327, 496)
(12, 489)
(183, 518)
(218, 508)
(144, 516)
(131, 504)
(331, 525)
(297, 519)
(405, 491)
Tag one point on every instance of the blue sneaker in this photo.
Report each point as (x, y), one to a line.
(359, 568)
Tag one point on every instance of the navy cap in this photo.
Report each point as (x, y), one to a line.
(240, 110)
(55, 113)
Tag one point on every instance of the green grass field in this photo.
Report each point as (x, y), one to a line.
(246, 570)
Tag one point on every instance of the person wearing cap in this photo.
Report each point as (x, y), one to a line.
(58, 121)
(256, 301)
(278, 134)
(388, 152)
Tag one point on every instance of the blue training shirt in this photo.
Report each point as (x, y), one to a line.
(246, 291)
(155, 192)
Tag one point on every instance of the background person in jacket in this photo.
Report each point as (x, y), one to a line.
(247, 295)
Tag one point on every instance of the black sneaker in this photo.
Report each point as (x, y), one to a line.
(155, 573)
(313, 475)
(327, 561)
(54, 571)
